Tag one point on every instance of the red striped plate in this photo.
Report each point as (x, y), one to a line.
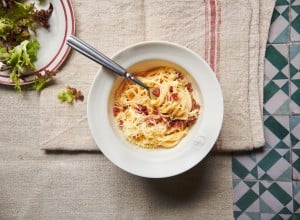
(53, 50)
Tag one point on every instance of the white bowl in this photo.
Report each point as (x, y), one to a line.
(150, 162)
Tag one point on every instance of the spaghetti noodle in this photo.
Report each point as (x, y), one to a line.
(163, 120)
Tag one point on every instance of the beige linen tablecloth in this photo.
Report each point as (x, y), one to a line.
(37, 185)
(230, 35)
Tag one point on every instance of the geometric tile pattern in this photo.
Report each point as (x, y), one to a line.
(295, 131)
(295, 78)
(244, 167)
(296, 189)
(276, 200)
(295, 21)
(266, 182)
(295, 94)
(264, 199)
(295, 139)
(262, 180)
(279, 31)
(276, 83)
(246, 200)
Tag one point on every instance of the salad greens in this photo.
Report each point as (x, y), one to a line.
(20, 58)
(18, 46)
(69, 95)
(42, 79)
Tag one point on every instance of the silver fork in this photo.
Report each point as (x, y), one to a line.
(95, 55)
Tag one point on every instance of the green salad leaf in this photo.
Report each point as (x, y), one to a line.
(21, 58)
(41, 80)
(70, 94)
(19, 21)
(4, 55)
(6, 27)
(23, 55)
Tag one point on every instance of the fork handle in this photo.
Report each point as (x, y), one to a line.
(95, 55)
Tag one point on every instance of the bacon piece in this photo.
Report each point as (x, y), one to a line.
(189, 87)
(116, 110)
(179, 76)
(195, 105)
(168, 98)
(121, 123)
(150, 121)
(141, 109)
(171, 89)
(176, 124)
(156, 92)
(155, 111)
(158, 120)
(191, 120)
(175, 96)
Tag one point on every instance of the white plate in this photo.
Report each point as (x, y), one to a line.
(53, 50)
(165, 162)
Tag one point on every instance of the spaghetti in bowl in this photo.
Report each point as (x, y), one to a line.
(167, 134)
(163, 117)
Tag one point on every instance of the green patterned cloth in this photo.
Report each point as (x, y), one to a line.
(266, 183)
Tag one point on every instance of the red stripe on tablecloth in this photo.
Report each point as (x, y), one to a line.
(212, 33)
(219, 20)
(212, 41)
(206, 31)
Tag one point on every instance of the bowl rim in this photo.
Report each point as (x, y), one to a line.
(221, 110)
